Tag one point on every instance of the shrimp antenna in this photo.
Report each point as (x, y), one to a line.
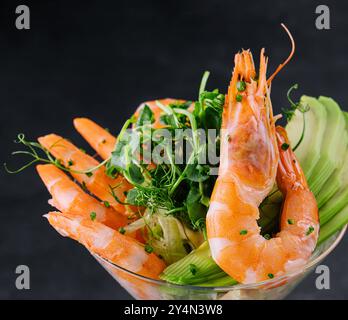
(282, 65)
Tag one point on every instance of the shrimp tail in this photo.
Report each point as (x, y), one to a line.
(289, 174)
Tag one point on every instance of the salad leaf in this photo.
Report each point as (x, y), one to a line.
(145, 117)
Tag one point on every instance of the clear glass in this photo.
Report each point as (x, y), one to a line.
(144, 288)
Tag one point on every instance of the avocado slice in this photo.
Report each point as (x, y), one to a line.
(336, 223)
(308, 152)
(332, 148)
(338, 180)
(197, 267)
(339, 199)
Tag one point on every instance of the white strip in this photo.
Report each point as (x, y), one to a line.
(218, 244)
(218, 206)
(294, 265)
(65, 199)
(103, 238)
(135, 259)
(51, 183)
(250, 276)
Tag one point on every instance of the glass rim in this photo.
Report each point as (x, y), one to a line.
(237, 286)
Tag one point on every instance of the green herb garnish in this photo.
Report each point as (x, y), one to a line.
(239, 97)
(148, 248)
(193, 268)
(291, 221)
(93, 215)
(241, 86)
(309, 231)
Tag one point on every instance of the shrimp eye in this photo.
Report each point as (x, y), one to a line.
(285, 146)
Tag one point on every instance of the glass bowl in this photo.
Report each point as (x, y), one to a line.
(144, 288)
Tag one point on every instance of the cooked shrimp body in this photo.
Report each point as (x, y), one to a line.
(248, 170)
(68, 196)
(157, 111)
(102, 141)
(107, 243)
(98, 183)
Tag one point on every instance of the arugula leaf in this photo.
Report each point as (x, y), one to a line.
(134, 174)
(195, 209)
(145, 117)
(198, 172)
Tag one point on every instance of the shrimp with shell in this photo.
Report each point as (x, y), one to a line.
(253, 158)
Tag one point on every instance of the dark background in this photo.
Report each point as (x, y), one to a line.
(101, 59)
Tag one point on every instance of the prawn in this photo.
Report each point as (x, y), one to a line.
(102, 141)
(157, 111)
(97, 182)
(107, 243)
(251, 148)
(68, 196)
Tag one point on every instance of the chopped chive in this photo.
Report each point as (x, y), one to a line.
(148, 248)
(241, 86)
(107, 129)
(309, 231)
(106, 204)
(93, 215)
(84, 187)
(267, 236)
(83, 150)
(285, 146)
(70, 163)
(122, 230)
(291, 221)
(243, 232)
(239, 97)
(193, 268)
(89, 174)
(271, 275)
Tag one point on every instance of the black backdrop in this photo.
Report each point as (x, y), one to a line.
(101, 59)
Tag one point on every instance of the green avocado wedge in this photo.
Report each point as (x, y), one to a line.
(339, 220)
(339, 200)
(339, 179)
(197, 267)
(308, 152)
(332, 148)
